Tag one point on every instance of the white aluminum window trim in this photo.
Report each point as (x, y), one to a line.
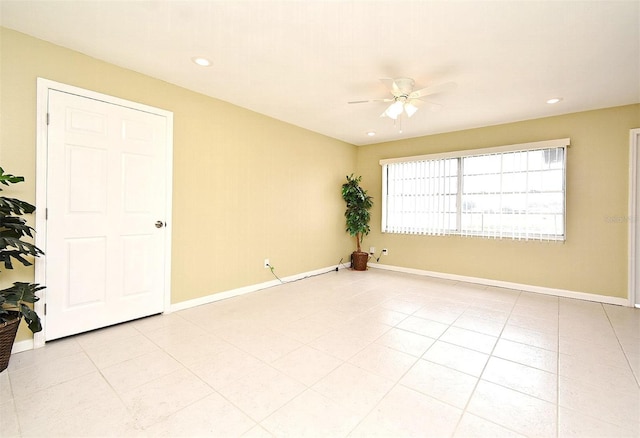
(545, 144)
(563, 143)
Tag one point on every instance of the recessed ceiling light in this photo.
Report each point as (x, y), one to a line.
(371, 133)
(554, 100)
(203, 62)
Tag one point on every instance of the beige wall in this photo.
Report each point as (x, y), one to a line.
(594, 257)
(246, 186)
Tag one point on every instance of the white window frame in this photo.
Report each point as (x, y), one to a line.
(521, 147)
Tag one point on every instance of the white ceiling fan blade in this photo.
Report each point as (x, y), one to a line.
(371, 100)
(433, 89)
(391, 85)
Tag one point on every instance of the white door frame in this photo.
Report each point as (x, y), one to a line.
(634, 214)
(43, 87)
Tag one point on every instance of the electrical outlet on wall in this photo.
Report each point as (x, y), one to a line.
(372, 250)
(385, 251)
(266, 263)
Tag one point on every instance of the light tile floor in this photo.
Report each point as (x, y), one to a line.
(358, 354)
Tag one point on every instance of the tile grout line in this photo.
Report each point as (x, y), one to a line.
(633, 372)
(464, 410)
(591, 385)
(307, 387)
(13, 402)
(558, 374)
(117, 393)
(396, 383)
(490, 355)
(186, 368)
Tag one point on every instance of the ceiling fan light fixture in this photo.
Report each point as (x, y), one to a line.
(410, 109)
(395, 109)
(405, 98)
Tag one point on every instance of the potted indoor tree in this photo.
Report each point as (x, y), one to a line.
(357, 216)
(15, 300)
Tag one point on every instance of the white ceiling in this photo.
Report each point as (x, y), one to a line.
(302, 61)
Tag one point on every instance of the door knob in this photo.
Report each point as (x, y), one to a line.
(159, 224)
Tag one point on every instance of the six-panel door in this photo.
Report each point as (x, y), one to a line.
(105, 194)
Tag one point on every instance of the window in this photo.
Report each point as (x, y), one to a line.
(513, 192)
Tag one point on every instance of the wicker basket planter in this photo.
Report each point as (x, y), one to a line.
(7, 336)
(359, 260)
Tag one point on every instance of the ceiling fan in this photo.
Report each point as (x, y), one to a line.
(405, 100)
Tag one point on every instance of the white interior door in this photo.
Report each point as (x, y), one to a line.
(106, 214)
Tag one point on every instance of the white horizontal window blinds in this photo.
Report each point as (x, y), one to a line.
(515, 192)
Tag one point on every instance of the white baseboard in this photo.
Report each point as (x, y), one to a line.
(28, 344)
(476, 280)
(20, 346)
(509, 285)
(247, 289)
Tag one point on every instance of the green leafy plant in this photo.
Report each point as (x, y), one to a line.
(358, 205)
(15, 300)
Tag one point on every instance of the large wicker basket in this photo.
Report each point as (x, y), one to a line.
(359, 260)
(7, 336)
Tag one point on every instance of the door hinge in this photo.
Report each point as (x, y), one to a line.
(46, 214)
(48, 119)
(45, 308)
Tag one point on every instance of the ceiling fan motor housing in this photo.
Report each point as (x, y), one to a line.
(404, 86)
